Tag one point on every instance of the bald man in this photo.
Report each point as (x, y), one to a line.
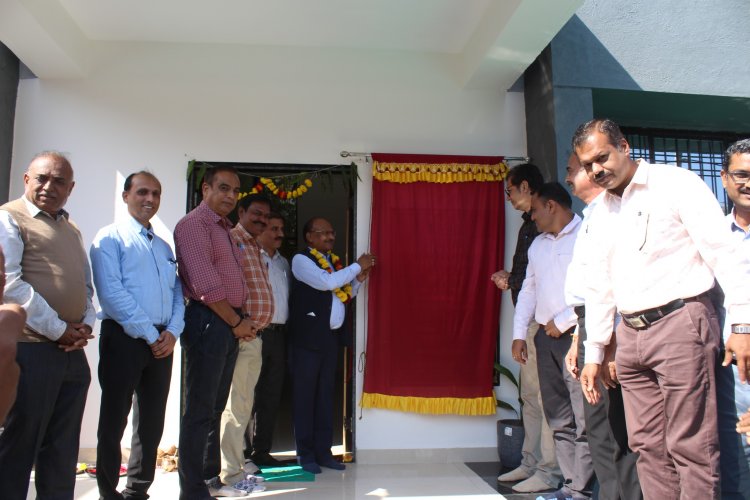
(47, 273)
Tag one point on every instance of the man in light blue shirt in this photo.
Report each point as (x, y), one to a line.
(732, 395)
(142, 308)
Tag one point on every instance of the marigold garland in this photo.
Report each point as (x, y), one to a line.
(269, 185)
(345, 292)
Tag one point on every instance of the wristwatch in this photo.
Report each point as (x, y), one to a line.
(743, 328)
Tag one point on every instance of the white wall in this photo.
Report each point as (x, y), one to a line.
(157, 106)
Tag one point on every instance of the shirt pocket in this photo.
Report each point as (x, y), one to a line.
(640, 230)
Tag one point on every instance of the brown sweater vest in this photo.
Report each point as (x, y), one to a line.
(54, 263)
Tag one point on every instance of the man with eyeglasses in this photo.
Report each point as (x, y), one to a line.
(734, 396)
(321, 288)
(664, 242)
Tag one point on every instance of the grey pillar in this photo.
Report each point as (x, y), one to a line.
(9, 71)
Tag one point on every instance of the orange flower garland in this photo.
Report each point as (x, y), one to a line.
(344, 293)
(268, 184)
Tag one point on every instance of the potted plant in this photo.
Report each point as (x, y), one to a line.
(509, 431)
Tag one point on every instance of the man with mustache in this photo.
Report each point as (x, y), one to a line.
(271, 381)
(538, 470)
(47, 273)
(321, 288)
(210, 267)
(606, 430)
(666, 242)
(142, 313)
(542, 298)
(733, 395)
(252, 211)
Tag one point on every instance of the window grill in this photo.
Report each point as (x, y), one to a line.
(700, 152)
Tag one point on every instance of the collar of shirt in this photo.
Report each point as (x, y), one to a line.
(205, 211)
(139, 228)
(245, 236)
(640, 178)
(276, 255)
(569, 227)
(526, 216)
(591, 206)
(34, 210)
(734, 226)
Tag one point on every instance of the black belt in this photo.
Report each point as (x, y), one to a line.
(580, 311)
(193, 302)
(643, 319)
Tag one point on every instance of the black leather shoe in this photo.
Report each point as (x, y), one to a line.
(266, 459)
(332, 464)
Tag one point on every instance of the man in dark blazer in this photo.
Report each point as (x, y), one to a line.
(321, 288)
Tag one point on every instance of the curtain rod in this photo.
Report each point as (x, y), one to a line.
(348, 154)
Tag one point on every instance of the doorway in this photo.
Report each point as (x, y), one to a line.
(332, 195)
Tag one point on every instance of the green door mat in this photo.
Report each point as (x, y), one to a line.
(287, 473)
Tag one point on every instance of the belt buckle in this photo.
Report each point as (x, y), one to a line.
(638, 322)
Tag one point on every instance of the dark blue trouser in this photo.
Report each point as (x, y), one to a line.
(269, 387)
(313, 378)
(210, 351)
(44, 426)
(127, 366)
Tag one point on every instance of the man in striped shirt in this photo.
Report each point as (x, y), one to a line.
(253, 213)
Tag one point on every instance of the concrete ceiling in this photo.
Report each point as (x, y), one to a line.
(486, 41)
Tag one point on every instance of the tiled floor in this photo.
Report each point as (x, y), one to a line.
(412, 482)
(489, 471)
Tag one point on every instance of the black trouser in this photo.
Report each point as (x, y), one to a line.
(614, 463)
(210, 350)
(44, 426)
(268, 389)
(127, 366)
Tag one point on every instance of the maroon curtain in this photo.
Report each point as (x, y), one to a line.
(433, 311)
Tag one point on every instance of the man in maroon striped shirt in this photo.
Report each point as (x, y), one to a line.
(210, 266)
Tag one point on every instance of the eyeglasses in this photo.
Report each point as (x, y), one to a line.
(739, 176)
(508, 190)
(325, 233)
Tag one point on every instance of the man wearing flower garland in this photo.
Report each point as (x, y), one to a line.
(320, 289)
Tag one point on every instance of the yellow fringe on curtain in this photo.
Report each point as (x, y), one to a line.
(436, 406)
(404, 173)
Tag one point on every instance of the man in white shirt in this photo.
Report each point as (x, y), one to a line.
(606, 430)
(543, 298)
(668, 242)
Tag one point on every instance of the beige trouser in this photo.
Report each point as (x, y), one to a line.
(239, 409)
(538, 444)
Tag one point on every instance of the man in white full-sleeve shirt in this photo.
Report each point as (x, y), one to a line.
(668, 241)
(543, 298)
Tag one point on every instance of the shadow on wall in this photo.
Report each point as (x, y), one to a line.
(579, 59)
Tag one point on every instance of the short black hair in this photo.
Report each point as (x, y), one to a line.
(525, 172)
(276, 215)
(740, 147)
(129, 179)
(208, 178)
(248, 200)
(555, 191)
(603, 126)
(310, 223)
